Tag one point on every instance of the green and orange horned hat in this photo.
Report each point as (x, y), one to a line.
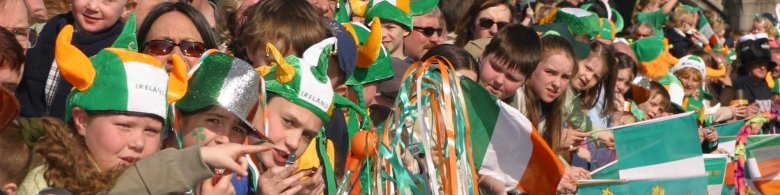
(118, 79)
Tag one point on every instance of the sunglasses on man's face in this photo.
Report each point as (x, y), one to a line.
(165, 47)
(487, 23)
(428, 31)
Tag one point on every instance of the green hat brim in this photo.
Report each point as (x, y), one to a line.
(388, 12)
(581, 50)
(579, 25)
(381, 69)
(420, 7)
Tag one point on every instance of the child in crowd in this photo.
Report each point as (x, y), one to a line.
(43, 90)
(17, 154)
(652, 103)
(508, 60)
(682, 33)
(269, 22)
(299, 103)
(221, 93)
(396, 24)
(116, 115)
(653, 13)
(762, 24)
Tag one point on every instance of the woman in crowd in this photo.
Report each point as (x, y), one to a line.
(175, 25)
(483, 20)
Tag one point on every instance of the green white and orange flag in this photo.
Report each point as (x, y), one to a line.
(659, 156)
(763, 165)
(506, 146)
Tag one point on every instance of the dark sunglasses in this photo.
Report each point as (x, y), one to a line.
(428, 31)
(165, 47)
(487, 23)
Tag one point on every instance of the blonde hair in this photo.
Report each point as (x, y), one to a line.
(680, 16)
(768, 26)
(226, 20)
(689, 72)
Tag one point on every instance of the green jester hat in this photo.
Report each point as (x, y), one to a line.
(119, 79)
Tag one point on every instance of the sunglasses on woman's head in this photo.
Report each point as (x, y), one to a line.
(165, 47)
(428, 31)
(487, 23)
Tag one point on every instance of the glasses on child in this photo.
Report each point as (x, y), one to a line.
(165, 47)
(428, 31)
(487, 23)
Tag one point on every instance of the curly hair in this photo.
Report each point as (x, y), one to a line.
(69, 164)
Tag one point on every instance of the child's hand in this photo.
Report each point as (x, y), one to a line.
(572, 139)
(279, 180)
(229, 156)
(568, 183)
(314, 185)
(608, 139)
(224, 186)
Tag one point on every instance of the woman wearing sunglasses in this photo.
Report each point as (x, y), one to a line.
(176, 27)
(483, 20)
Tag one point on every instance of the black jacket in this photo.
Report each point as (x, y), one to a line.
(31, 90)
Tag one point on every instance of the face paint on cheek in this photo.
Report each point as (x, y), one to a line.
(199, 135)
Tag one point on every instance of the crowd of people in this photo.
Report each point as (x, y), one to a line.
(270, 96)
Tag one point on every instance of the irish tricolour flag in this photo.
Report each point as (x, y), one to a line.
(659, 156)
(506, 146)
(763, 164)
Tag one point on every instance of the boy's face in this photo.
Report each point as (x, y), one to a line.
(497, 78)
(393, 36)
(118, 140)
(213, 126)
(290, 128)
(95, 16)
(652, 107)
(551, 77)
(9, 78)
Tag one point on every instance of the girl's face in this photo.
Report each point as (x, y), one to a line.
(498, 79)
(758, 27)
(652, 107)
(393, 36)
(490, 21)
(213, 126)
(623, 82)
(94, 16)
(690, 84)
(290, 128)
(551, 77)
(118, 140)
(591, 72)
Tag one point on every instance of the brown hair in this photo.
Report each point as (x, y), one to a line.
(606, 55)
(658, 89)
(517, 46)
(10, 51)
(271, 21)
(69, 164)
(16, 155)
(552, 134)
(465, 27)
